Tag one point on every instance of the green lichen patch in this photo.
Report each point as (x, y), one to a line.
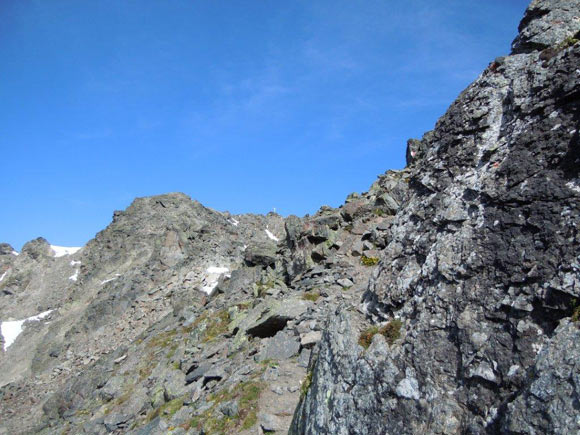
(369, 261)
(261, 288)
(306, 385)
(211, 324)
(391, 331)
(217, 325)
(311, 296)
(163, 339)
(167, 410)
(269, 363)
(569, 42)
(366, 336)
(246, 394)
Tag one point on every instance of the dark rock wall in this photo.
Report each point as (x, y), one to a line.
(482, 264)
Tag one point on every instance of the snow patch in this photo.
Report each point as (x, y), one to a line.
(208, 287)
(3, 276)
(10, 330)
(61, 251)
(75, 276)
(211, 280)
(216, 269)
(271, 236)
(117, 275)
(234, 222)
(15, 253)
(75, 263)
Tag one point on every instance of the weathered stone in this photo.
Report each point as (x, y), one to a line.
(309, 339)
(283, 345)
(197, 373)
(318, 233)
(304, 358)
(330, 220)
(37, 248)
(270, 423)
(6, 249)
(549, 403)
(240, 281)
(115, 422)
(293, 226)
(344, 282)
(354, 210)
(261, 254)
(267, 319)
(229, 409)
(357, 249)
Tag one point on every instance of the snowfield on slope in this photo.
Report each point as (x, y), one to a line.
(11, 329)
(61, 251)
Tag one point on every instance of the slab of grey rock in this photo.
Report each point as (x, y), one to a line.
(115, 422)
(197, 373)
(229, 408)
(309, 339)
(270, 422)
(272, 316)
(304, 358)
(550, 403)
(263, 254)
(283, 345)
(345, 282)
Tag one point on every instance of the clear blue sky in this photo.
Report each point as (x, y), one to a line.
(245, 106)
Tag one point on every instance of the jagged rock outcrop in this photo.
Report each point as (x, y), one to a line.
(482, 263)
(546, 23)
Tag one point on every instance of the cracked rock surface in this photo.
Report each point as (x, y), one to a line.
(482, 265)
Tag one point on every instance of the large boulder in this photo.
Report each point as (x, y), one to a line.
(261, 254)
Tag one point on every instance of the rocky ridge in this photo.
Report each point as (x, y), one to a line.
(181, 318)
(482, 265)
(443, 300)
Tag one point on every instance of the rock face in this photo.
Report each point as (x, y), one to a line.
(482, 264)
(546, 23)
(443, 300)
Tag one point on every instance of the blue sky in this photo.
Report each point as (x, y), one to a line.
(245, 106)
